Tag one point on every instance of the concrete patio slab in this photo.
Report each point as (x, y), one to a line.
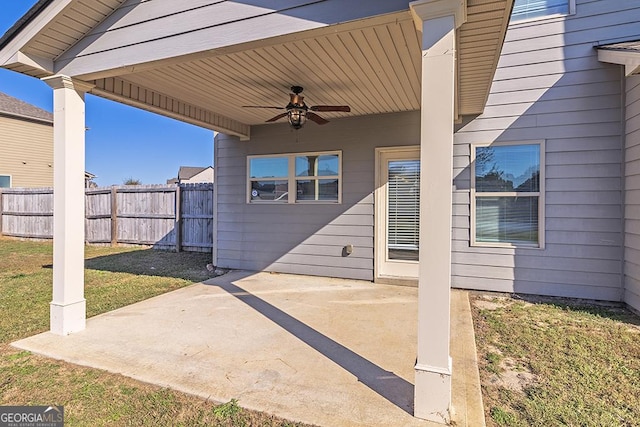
(318, 350)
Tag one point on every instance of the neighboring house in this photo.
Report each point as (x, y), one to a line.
(191, 174)
(26, 141)
(473, 156)
(88, 180)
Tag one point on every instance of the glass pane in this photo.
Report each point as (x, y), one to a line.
(507, 219)
(524, 9)
(403, 209)
(317, 189)
(508, 168)
(324, 165)
(269, 167)
(270, 190)
(5, 181)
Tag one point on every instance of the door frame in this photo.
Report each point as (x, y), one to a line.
(380, 209)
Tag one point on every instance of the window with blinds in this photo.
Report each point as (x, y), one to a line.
(507, 189)
(526, 9)
(403, 209)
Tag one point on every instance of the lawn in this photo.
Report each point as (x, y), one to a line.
(543, 362)
(114, 277)
(557, 362)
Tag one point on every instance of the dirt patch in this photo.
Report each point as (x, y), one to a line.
(488, 305)
(513, 377)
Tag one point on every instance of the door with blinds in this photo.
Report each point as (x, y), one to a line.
(397, 213)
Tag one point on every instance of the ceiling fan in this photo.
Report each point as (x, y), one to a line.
(298, 112)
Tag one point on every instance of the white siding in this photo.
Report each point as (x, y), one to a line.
(632, 194)
(549, 85)
(306, 239)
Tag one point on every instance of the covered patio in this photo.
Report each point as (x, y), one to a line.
(322, 351)
(204, 62)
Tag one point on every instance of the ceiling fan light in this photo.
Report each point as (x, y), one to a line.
(297, 117)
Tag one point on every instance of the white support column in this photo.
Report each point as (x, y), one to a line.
(437, 20)
(68, 307)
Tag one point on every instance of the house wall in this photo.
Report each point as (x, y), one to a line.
(204, 176)
(632, 194)
(305, 238)
(549, 85)
(26, 141)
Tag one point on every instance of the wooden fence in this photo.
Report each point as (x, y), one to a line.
(165, 216)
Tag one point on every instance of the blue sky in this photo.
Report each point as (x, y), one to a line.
(122, 142)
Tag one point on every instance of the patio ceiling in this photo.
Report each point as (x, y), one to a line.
(372, 64)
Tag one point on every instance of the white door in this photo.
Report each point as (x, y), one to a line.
(398, 213)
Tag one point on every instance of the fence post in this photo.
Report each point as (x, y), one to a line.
(114, 216)
(178, 221)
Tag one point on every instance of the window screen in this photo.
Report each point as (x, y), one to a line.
(507, 191)
(525, 9)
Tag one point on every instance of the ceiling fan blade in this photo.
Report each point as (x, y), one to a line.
(343, 108)
(278, 117)
(262, 106)
(316, 118)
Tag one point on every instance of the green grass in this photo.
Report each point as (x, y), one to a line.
(114, 277)
(556, 362)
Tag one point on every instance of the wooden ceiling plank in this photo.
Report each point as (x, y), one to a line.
(392, 47)
(357, 100)
(407, 55)
(356, 70)
(354, 43)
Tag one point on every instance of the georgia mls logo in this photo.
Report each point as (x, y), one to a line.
(54, 410)
(31, 416)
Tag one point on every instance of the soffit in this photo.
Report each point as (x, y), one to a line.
(51, 39)
(624, 53)
(373, 65)
(373, 68)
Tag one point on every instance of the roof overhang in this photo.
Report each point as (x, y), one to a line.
(623, 53)
(203, 72)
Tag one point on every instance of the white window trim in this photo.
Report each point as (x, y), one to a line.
(572, 11)
(10, 179)
(292, 178)
(540, 194)
(381, 261)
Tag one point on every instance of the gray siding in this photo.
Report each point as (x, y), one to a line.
(305, 239)
(632, 194)
(165, 28)
(550, 86)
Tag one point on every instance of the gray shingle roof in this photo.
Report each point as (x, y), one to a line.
(630, 46)
(10, 106)
(23, 22)
(187, 172)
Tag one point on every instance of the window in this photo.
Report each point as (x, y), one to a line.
(5, 181)
(314, 176)
(527, 9)
(507, 195)
(403, 209)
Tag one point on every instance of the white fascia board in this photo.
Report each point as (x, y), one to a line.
(32, 29)
(32, 61)
(201, 117)
(630, 60)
